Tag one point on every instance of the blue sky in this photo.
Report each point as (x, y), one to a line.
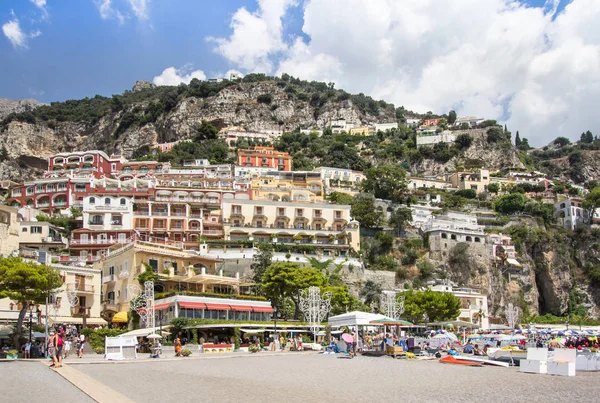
(534, 64)
(79, 54)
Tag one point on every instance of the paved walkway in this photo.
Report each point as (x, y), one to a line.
(314, 377)
(32, 381)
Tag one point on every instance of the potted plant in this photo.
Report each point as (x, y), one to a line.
(332, 239)
(274, 238)
(186, 352)
(12, 354)
(297, 238)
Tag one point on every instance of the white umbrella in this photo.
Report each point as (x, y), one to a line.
(154, 336)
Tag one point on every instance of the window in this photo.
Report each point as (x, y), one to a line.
(153, 264)
(338, 214)
(50, 188)
(299, 212)
(24, 229)
(477, 239)
(123, 202)
(111, 270)
(259, 224)
(453, 237)
(36, 230)
(444, 236)
(113, 167)
(111, 297)
(259, 210)
(107, 201)
(92, 200)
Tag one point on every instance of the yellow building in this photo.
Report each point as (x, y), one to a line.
(77, 301)
(9, 231)
(477, 181)
(362, 131)
(288, 186)
(179, 271)
(322, 224)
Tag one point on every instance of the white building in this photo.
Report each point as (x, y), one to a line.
(340, 126)
(412, 122)
(384, 126)
(340, 177)
(39, 236)
(422, 214)
(473, 304)
(470, 120)
(429, 139)
(570, 213)
(446, 231)
(418, 183)
(310, 131)
(107, 213)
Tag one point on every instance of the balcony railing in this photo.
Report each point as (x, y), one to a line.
(108, 279)
(81, 288)
(100, 241)
(80, 311)
(160, 213)
(96, 222)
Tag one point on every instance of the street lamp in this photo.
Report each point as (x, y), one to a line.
(275, 319)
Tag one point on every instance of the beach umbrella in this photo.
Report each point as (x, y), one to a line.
(450, 325)
(519, 331)
(154, 336)
(348, 338)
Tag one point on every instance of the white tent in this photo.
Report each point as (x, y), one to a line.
(356, 318)
(144, 332)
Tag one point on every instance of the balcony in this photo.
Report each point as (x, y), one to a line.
(116, 222)
(80, 312)
(110, 306)
(213, 232)
(178, 214)
(81, 288)
(108, 279)
(99, 241)
(160, 213)
(96, 222)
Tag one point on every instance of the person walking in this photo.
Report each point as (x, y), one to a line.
(52, 348)
(67, 347)
(59, 344)
(177, 344)
(80, 345)
(27, 350)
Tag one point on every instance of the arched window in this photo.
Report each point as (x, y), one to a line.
(477, 239)
(562, 205)
(444, 236)
(469, 239)
(123, 202)
(107, 201)
(92, 200)
(453, 236)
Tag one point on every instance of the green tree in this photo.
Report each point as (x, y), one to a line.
(386, 182)
(342, 300)
(524, 145)
(370, 292)
(510, 203)
(466, 193)
(517, 139)
(206, 131)
(26, 283)
(561, 141)
(587, 137)
(147, 275)
(463, 141)
(495, 134)
(261, 261)
(451, 117)
(364, 211)
(591, 202)
(340, 198)
(493, 188)
(438, 306)
(399, 218)
(281, 280)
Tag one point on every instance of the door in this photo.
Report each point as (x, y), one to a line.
(80, 282)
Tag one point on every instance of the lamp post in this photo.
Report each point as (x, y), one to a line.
(275, 319)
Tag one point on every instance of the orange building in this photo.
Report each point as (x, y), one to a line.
(263, 156)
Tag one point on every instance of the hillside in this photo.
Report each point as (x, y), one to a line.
(127, 123)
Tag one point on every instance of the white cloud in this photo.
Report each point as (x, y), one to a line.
(41, 4)
(17, 37)
(500, 59)
(256, 36)
(139, 8)
(173, 76)
(107, 12)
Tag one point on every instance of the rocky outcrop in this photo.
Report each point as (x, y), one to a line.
(492, 156)
(142, 85)
(8, 106)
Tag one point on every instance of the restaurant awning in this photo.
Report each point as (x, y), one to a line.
(160, 307)
(262, 309)
(78, 321)
(192, 305)
(241, 308)
(120, 317)
(217, 307)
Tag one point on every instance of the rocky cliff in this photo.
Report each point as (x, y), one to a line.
(125, 124)
(8, 106)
